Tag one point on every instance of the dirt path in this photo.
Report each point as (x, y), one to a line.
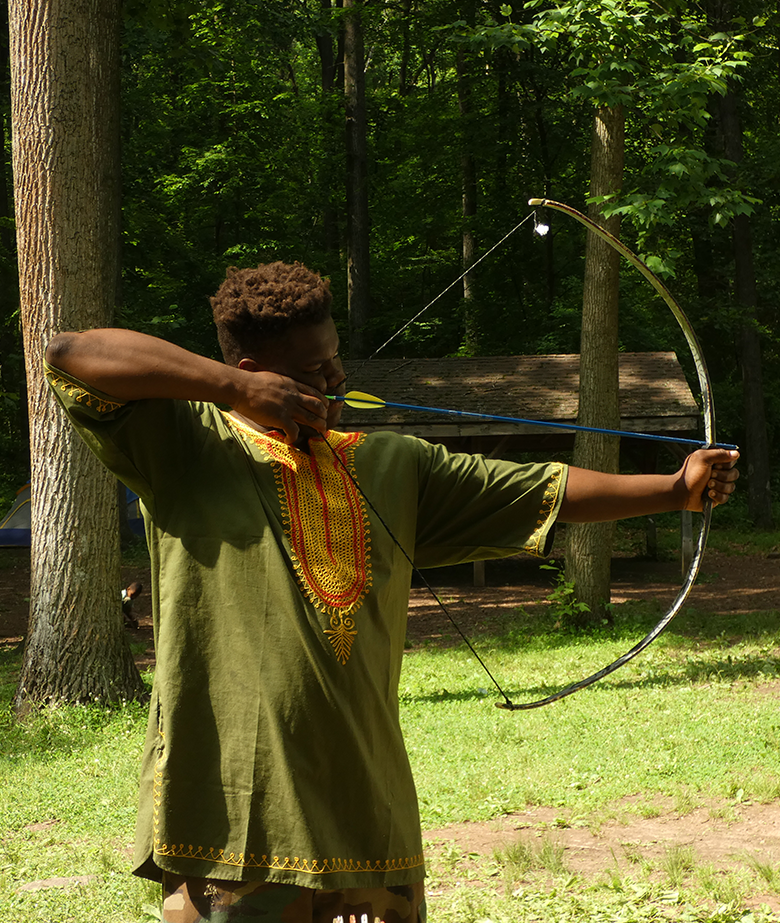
(633, 846)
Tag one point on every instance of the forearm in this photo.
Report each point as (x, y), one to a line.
(130, 366)
(592, 496)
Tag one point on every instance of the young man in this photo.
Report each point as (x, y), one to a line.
(275, 781)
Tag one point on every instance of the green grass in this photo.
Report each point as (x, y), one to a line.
(690, 718)
(692, 722)
(731, 533)
(67, 810)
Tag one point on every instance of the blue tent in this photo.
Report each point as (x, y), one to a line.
(15, 526)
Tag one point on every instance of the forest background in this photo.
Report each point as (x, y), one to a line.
(233, 152)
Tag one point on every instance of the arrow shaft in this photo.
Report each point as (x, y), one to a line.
(547, 423)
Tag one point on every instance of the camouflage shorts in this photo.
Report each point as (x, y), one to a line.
(211, 900)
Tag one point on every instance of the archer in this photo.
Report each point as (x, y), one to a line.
(274, 780)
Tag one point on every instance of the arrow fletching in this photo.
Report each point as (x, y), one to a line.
(362, 401)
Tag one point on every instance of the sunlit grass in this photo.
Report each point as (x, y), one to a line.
(690, 718)
(691, 723)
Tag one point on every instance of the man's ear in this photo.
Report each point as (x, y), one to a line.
(248, 365)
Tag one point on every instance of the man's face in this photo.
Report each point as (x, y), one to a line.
(310, 354)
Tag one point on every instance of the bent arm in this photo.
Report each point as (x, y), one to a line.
(131, 366)
(592, 496)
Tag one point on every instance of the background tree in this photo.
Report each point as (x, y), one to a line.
(589, 545)
(750, 361)
(65, 93)
(14, 447)
(358, 227)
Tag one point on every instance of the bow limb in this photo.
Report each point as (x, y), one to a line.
(705, 386)
(682, 595)
(709, 426)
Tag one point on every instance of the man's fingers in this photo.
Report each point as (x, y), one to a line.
(723, 479)
(710, 473)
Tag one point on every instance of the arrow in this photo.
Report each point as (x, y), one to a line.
(359, 400)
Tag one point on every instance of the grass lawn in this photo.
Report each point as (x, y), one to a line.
(692, 722)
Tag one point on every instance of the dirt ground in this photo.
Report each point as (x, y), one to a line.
(730, 584)
(752, 831)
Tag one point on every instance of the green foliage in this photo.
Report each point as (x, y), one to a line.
(565, 606)
(215, 172)
(233, 153)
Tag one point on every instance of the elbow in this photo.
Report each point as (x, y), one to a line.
(58, 350)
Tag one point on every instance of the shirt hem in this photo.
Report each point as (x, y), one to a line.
(155, 865)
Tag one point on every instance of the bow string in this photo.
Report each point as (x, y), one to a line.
(708, 410)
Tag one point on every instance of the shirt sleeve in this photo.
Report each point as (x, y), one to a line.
(472, 508)
(142, 442)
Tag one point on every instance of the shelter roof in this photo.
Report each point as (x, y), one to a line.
(654, 394)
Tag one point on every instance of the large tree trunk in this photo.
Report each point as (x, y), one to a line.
(331, 66)
(65, 101)
(357, 181)
(589, 545)
(756, 440)
(468, 174)
(11, 365)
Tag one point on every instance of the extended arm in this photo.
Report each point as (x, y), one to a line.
(131, 366)
(592, 496)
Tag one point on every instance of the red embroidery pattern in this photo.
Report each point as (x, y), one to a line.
(325, 519)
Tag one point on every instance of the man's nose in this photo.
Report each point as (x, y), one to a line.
(334, 375)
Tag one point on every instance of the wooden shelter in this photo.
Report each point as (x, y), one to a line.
(654, 398)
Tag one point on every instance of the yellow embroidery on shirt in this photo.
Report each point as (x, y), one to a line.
(286, 863)
(325, 519)
(81, 395)
(342, 633)
(548, 504)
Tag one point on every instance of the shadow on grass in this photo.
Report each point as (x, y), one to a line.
(540, 630)
(712, 669)
(42, 734)
(696, 649)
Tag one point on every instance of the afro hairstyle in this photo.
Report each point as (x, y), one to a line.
(253, 306)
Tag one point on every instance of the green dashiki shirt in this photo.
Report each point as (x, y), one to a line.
(274, 750)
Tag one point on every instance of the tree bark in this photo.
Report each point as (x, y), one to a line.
(330, 66)
(65, 116)
(358, 261)
(589, 545)
(11, 364)
(468, 174)
(756, 439)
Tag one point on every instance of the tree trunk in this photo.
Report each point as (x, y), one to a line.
(329, 68)
(756, 440)
(589, 545)
(357, 181)
(11, 364)
(468, 175)
(404, 84)
(65, 102)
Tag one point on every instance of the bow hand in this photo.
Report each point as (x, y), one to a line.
(708, 474)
